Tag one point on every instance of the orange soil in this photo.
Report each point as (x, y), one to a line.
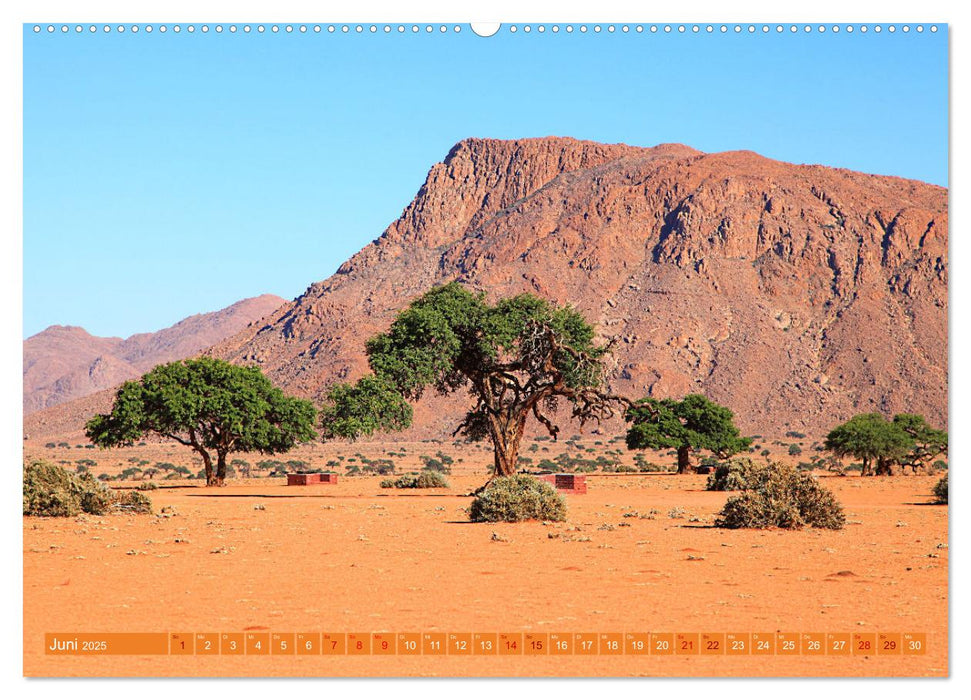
(354, 557)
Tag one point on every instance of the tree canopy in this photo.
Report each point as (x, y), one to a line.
(906, 440)
(929, 442)
(693, 423)
(209, 405)
(516, 358)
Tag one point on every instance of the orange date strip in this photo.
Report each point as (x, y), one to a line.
(293, 644)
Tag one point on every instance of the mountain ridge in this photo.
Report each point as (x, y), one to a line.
(795, 294)
(66, 362)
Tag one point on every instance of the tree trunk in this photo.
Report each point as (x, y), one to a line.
(220, 469)
(207, 463)
(866, 467)
(684, 459)
(506, 437)
(884, 467)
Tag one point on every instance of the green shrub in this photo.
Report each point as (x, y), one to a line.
(733, 475)
(780, 496)
(940, 490)
(425, 480)
(515, 498)
(51, 490)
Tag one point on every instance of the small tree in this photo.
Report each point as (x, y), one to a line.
(871, 438)
(209, 405)
(693, 423)
(516, 359)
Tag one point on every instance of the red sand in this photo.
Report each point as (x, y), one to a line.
(353, 557)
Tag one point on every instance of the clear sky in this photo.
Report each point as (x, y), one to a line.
(170, 174)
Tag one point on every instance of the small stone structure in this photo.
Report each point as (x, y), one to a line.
(568, 483)
(308, 479)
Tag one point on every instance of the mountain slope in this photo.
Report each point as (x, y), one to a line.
(797, 295)
(62, 363)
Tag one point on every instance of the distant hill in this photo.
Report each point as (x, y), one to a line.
(62, 363)
(798, 295)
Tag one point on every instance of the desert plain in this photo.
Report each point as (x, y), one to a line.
(637, 553)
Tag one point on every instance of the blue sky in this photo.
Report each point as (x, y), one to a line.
(170, 174)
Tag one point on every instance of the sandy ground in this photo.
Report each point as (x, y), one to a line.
(258, 555)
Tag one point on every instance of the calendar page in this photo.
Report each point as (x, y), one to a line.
(537, 349)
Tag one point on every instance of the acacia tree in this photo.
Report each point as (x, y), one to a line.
(209, 405)
(929, 442)
(871, 438)
(516, 359)
(693, 423)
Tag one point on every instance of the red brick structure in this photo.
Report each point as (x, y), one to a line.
(568, 483)
(308, 479)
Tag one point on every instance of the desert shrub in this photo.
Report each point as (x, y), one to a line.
(131, 473)
(51, 490)
(547, 465)
(382, 467)
(733, 475)
(940, 490)
(621, 469)
(795, 450)
(147, 486)
(777, 495)
(515, 498)
(133, 502)
(425, 480)
(50, 445)
(271, 465)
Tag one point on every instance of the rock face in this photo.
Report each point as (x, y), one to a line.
(796, 295)
(62, 363)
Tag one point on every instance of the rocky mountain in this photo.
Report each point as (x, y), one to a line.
(62, 363)
(797, 295)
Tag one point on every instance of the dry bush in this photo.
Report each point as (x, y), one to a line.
(940, 491)
(132, 502)
(733, 475)
(425, 480)
(778, 495)
(52, 491)
(515, 498)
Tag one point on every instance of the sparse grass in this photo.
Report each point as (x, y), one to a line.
(517, 498)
